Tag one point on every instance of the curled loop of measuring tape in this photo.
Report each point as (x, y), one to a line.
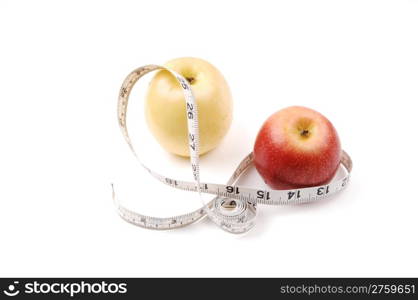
(234, 207)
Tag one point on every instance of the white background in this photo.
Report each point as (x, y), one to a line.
(61, 66)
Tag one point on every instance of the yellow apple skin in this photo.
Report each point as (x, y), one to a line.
(165, 106)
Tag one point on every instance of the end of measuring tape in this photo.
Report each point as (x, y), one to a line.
(234, 208)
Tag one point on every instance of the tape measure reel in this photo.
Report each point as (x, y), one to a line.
(234, 208)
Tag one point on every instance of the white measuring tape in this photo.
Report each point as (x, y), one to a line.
(234, 207)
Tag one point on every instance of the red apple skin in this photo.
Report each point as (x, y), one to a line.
(297, 147)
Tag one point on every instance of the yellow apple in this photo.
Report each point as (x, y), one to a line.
(165, 107)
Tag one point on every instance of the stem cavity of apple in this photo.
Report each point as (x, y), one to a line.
(305, 133)
(191, 80)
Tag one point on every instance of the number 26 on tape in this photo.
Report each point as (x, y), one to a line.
(190, 110)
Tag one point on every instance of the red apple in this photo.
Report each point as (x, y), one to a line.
(297, 147)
